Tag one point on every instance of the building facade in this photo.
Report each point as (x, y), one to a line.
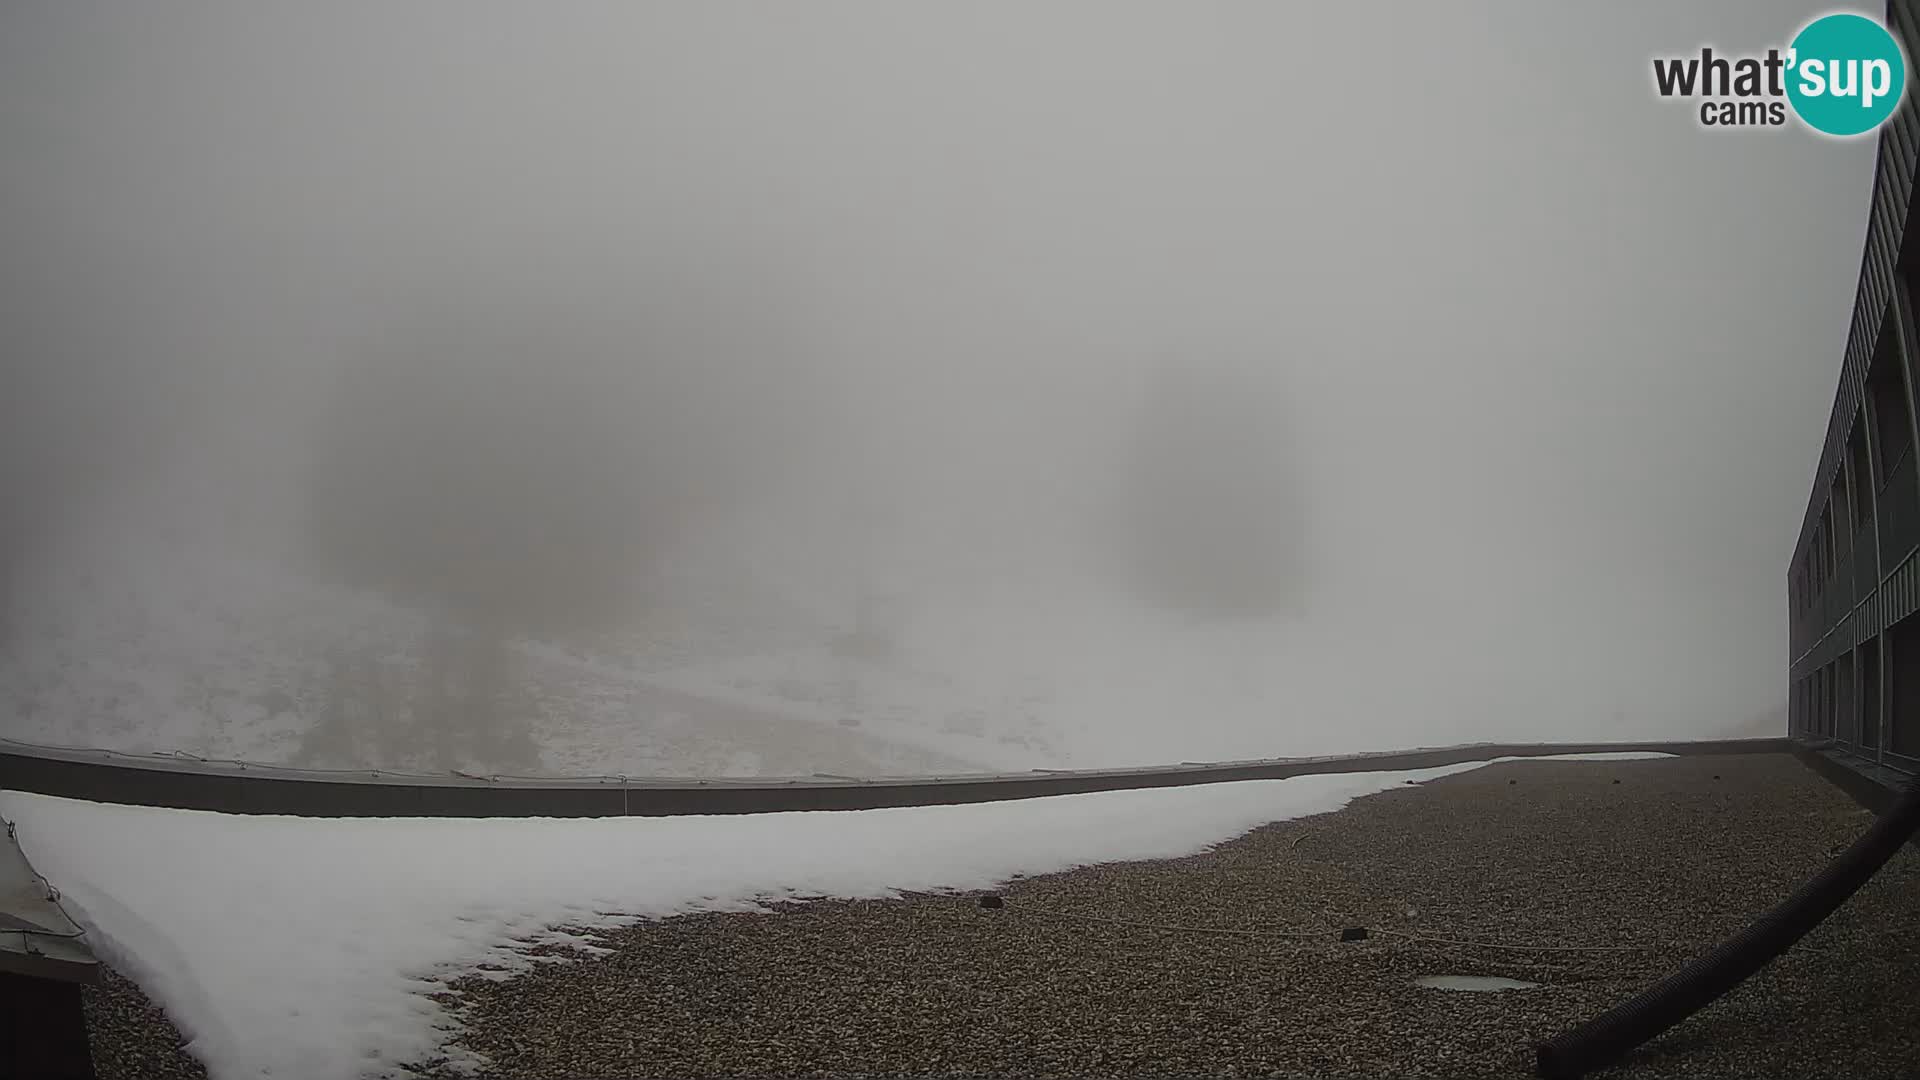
(1853, 586)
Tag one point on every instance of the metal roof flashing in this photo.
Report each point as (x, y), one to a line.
(37, 937)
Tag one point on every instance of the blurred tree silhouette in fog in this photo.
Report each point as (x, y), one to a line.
(493, 473)
(88, 402)
(1215, 509)
(517, 470)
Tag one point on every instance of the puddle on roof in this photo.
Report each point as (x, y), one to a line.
(1476, 983)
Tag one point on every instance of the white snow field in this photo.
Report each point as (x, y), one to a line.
(303, 948)
(145, 646)
(147, 649)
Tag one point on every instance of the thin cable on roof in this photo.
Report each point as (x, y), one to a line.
(1308, 934)
(1179, 929)
(1429, 939)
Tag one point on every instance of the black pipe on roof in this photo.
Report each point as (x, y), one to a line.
(1613, 1034)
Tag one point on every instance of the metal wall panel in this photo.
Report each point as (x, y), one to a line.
(1899, 513)
(1893, 182)
(1877, 579)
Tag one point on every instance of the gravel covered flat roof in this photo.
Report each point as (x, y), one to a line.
(1592, 879)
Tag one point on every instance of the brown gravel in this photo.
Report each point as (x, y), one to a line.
(130, 1037)
(1673, 854)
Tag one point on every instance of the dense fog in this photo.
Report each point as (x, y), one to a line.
(857, 387)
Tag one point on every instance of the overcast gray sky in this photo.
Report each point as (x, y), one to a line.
(1556, 362)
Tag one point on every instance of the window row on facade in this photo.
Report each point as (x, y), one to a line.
(1853, 584)
(1867, 699)
(1869, 520)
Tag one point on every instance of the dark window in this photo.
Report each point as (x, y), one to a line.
(1839, 519)
(1896, 493)
(1833, 541)
(1892, 422)
(1830, 704)
(1844, 716)
(1903, 705)
(1823, 536)
(1870, 694)
(1833, 700)
(1862, 482)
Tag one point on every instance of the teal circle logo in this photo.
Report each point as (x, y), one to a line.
(1846, 74)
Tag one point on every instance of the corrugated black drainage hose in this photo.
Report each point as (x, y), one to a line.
(1611, 1035)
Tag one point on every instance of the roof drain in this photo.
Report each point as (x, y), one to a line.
(1611, 1035)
